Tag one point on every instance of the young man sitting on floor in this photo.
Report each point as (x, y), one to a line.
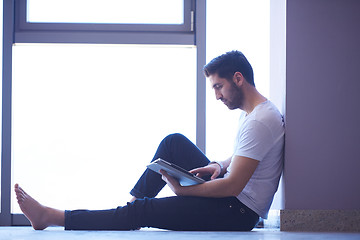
(240, 189)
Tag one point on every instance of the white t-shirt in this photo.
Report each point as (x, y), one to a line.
(261, 137)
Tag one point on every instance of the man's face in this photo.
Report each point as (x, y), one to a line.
(228, 92)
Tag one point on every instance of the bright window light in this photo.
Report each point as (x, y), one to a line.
(87, 119)
(106, 11)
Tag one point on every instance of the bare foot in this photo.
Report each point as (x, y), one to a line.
(40, 216)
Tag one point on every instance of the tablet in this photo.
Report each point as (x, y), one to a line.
(184, 177)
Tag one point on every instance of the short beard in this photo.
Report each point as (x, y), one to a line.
(237, 97)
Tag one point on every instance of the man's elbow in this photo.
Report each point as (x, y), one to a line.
(234, 191)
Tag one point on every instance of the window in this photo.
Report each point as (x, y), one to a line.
(87, 119)
(93, 102)
(106, 11)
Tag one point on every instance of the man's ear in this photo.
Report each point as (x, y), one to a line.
(238, 79)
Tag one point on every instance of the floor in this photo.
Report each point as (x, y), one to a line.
(57, 233)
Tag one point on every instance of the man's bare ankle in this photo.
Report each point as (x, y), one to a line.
(55, 217)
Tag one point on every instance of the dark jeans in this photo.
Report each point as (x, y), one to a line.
(175, 213)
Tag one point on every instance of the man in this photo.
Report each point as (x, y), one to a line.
(239, 191)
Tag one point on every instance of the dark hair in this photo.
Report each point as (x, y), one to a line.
(227, 64)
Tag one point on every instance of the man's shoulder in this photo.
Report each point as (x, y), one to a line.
(265, 112)
(266, 116)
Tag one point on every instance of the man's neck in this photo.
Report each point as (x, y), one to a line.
(252, 99)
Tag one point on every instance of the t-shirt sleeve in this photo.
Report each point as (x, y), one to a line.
(254, 141)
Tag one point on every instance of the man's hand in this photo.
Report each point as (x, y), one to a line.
(171, 182)
(212, 169)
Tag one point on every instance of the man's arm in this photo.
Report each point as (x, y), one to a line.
(241, 171)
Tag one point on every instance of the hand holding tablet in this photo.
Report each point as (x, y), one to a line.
(184, 177)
